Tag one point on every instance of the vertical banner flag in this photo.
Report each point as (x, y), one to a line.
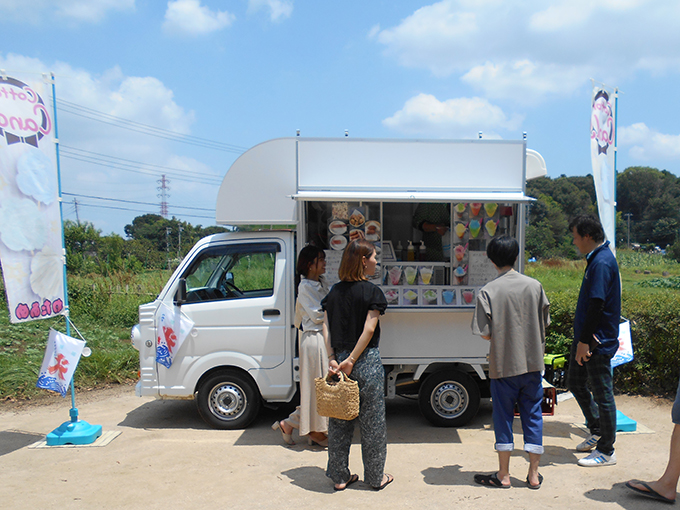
(602, 154)
(30, 218)
(60, 362)
(624, 353)
(173, 328)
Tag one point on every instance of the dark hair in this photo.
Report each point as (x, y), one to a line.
(351, 265)
(587, 225)
(308, 255)
(503, 251)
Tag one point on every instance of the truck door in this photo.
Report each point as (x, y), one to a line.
(236, 298)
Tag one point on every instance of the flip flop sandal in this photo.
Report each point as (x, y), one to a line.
(352, 479)
(490, 481)
(649, 492)
(538, 485)
(390, 479)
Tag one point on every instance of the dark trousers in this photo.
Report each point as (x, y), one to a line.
(368, 371)
(593, 387)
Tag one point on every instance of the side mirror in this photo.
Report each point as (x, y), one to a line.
(181, 292)
(230, 278)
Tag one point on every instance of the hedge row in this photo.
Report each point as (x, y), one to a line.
(655, 328)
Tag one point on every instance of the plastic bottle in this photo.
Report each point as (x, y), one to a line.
(399, 251)
(422, 253)
(410, 252)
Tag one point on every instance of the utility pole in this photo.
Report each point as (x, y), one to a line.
(179, 242)
(75, 204)
(163, 195)
(628, 215)
(167, 245)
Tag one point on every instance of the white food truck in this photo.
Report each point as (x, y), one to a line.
(238, 288)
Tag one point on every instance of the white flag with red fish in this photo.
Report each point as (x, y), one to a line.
(61, 359)
(173, 328)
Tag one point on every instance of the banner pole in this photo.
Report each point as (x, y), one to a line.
(74, 431)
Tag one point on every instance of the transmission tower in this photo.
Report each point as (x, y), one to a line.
(163, 195)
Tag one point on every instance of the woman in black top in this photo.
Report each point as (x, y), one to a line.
(352, 309)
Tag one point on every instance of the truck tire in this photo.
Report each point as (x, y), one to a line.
(449, 398)
(228, 400)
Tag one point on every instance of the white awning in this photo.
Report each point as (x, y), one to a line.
(405, 196)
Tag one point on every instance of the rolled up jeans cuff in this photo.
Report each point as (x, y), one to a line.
(504, 447)
(534, 448)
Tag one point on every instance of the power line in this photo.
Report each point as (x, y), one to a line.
(80, 204)
(133, 202)
(91, 114)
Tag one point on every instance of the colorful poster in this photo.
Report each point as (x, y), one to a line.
(602, 154)
(59, 364)
(30, 217)
(173, 328)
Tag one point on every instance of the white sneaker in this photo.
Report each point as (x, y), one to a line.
(589, 443)
(597, 458)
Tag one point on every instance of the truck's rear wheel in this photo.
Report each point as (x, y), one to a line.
(228, 400)
(449, 398)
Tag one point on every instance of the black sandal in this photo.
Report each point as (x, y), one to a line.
(490, 481)
(352, 479)
(389, 480)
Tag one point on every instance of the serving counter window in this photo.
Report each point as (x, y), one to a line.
(429, 254)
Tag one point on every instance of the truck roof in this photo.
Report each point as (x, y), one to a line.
(265, 184)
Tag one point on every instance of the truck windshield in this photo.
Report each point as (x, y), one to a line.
(232, 272)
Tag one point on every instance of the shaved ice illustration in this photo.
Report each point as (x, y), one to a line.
(392, 297)
(460, 273)
(490, 208)
(475, 227)
(491, 227)
(449, 296)
(468, 296)
(410, 297)
(36, 176)
(460, 229)
(430, 297)
(460, 208)
(21, 225)
(425, 275)
(394, 275)
(410, 273)
(459, 251)
(47, 273)
(474, 208)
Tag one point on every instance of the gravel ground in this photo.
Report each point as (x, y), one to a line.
(166, 457)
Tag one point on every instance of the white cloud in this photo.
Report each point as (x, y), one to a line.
(189, 17)
(525, 81)
(278, 9)
(87, 11)
(462, 117)
(645, 144)
(537, 46)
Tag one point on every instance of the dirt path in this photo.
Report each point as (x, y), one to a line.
(166, 457)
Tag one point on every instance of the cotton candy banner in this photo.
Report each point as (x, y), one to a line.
(61, 359)
(602, 155)
(30, 218)
(173, 328)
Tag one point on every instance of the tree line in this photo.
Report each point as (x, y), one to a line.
(648, 214)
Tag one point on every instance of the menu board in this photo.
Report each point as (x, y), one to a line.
(333, 259)
(481, 269)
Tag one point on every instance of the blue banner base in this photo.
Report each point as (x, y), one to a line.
(74, 432)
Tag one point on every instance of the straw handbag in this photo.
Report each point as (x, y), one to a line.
(337, 399)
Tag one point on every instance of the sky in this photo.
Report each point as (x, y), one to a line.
(181, 88)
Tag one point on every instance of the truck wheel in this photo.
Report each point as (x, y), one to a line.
(449, 398)
(228, 400)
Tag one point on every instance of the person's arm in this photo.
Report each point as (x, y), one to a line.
(309, 303)
(587, 339)
(369, 328)
(481, 317)
(326, 332)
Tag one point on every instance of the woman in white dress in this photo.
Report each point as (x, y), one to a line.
(309, 318)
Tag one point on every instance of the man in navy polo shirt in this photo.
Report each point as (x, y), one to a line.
(596, 332)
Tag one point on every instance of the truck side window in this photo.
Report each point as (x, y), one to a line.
(232, 272)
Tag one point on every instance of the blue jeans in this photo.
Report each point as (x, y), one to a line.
(593, 387)
(526, 391)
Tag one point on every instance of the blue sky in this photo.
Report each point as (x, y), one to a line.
(244, 71)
